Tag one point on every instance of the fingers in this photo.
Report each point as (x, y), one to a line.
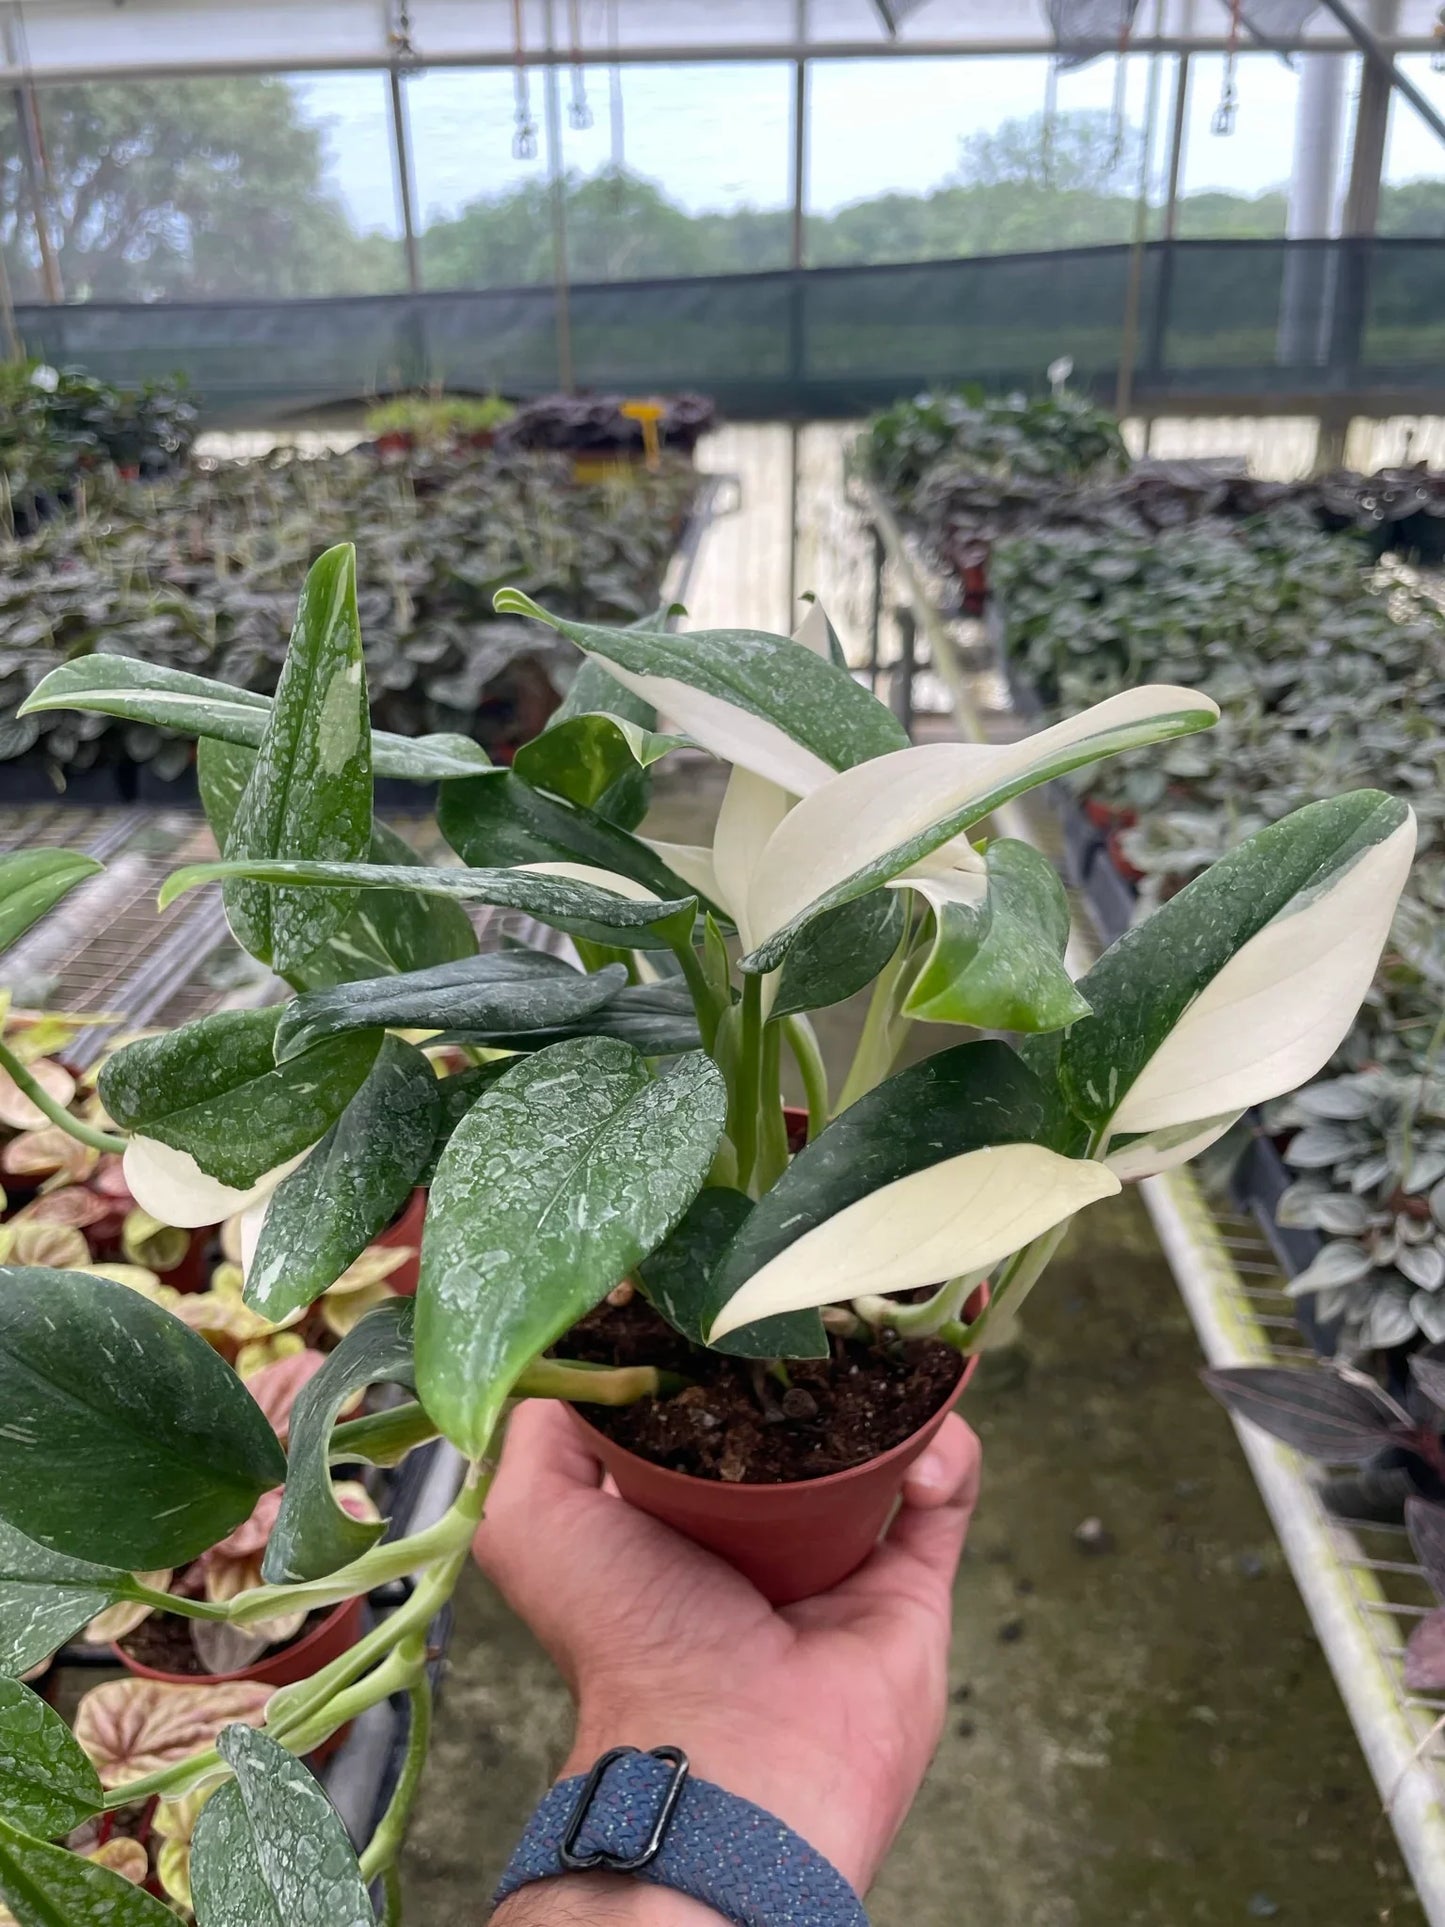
(545, 1460)
(938, 1502)
(948, 1472)
(916, 1563)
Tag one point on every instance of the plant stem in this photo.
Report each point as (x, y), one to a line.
(391, 1897)
(803, 1043)
(166, 1602)
(743, 1127)
(1020, 1275)
(704, 998)
(57, 1113)
(451, 1534)
(772, 1159)
(925, 1319)
(385, 1843)
(383, 1438)
(878, 1046)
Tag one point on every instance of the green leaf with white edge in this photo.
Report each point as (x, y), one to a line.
(676, 1280)
(148, 692)
(549, 892)
(871, 824)
(562, 1177)
(126, 1439)
(500, 825)
(757, 700)
(943, 1169)
(840, 953)
(324, 1215)
(309, 792)
(45, 1598)
(502, 992)
(213, 1090)
(46, 1886)
(1243, 985)
(313, 1536)
(34, 881)
(47, 1783)
(997, 959)
(585, 756)
(269, 1849)
(389, 931)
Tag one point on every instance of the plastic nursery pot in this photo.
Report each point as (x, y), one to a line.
(406, 1229)
(790, 1540)
(334, 1635)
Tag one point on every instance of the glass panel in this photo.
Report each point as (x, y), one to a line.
(484, 214)
(214, 189)
(1412, 190)
(1233, 186)
(682, 170)
(962, 157)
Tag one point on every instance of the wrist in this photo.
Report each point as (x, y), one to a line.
(600, 1900)
(817, 1798)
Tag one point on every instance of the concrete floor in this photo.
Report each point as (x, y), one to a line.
(1141, 1737)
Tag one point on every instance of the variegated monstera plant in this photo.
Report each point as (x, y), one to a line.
(621, 1118)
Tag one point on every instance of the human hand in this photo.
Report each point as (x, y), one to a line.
(826, 1712)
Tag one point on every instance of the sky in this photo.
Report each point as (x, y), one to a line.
(718, 136)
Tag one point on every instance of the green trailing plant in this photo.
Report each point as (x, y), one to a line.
(617, 1124)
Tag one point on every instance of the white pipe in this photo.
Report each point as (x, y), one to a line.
(1409, 1785)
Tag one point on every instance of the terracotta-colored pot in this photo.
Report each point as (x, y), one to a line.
(406, 1230)
(337, 1632)
(790, 1540)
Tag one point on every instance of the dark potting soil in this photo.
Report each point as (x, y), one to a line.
(738, 1423)
(164, 1642)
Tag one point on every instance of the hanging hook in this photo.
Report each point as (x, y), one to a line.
(579, 112)
(1227, 111)
(1437, 48)
(524, 136)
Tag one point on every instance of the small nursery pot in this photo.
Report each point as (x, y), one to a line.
(406, 1230)
(336, 1634)
(790, 1540)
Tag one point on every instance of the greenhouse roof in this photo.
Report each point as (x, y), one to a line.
(53, 40)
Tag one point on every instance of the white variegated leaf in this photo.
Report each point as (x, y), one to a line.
(877, 820)
(173, 1188)
(961, 1215)
(1273, 1016)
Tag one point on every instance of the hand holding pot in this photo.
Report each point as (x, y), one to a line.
(826, 1712)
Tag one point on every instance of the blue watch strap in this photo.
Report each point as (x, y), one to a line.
(643, 1813)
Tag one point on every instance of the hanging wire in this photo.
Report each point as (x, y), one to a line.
(1118, 124)
(1437, 44)
(1226, 113)
(524, 135)
(614, 104)
(1051, 117)
(403, 48)
(579, 111)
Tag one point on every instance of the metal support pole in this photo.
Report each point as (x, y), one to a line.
(401, 158)
(903, 669)
(1367, 156)
(875, 611)
(558, 176)
(1134, 286)
(27, 115)
(795, 435)
(1378, 58)
(800, 161)
(1178, 131)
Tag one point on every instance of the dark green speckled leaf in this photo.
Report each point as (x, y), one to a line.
(46, 1886)
(269, 1849)
(45, 1598)
(47, 1783)
(563, 1175)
